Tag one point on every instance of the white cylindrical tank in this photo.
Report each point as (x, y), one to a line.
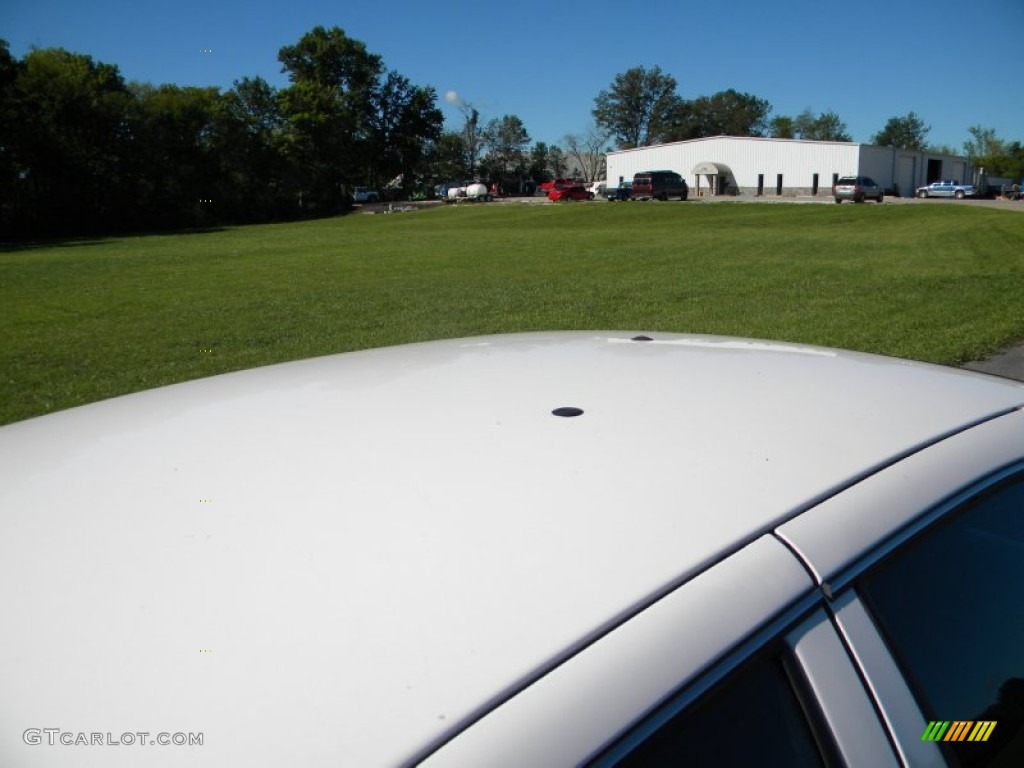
(476, 191)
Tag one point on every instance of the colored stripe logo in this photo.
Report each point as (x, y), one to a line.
(958, 730)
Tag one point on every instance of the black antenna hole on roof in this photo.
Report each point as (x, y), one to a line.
(641, 338)
(567, 411)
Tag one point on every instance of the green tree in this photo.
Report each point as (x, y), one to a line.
(907, 132)
(403, 119)
(332, 61)
(558, 163)
(782, 127)
(989, 151)
(10, 149)
(537, 163)
(546, 162)
(332, 79)
(506, 141)
(726, 113)
(984, 143)
(256, 182)
(175, 163)
(445, 158)
(638, 108)
(253, 102)
(1015, 165)
(66, 141)
(825, 127)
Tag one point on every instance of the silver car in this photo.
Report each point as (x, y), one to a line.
(546, 549)
(858, 189)
(947, 188)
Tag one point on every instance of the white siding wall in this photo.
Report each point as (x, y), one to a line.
(877, 163)
(747, 158)
(796, 160)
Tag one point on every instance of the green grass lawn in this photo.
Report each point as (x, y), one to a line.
(89, 320)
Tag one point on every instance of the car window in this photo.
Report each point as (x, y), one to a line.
(951, 607)
(753, 718)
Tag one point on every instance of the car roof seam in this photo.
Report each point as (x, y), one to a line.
(862, 476)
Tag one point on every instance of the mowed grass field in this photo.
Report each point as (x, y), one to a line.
(88, 320)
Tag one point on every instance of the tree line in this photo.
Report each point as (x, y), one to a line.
(83, 151)
(642, 107)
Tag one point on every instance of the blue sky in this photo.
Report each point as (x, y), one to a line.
(546, 61)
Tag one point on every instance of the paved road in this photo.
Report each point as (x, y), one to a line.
(1008, 363)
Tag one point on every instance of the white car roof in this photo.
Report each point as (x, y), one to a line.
(346, 558)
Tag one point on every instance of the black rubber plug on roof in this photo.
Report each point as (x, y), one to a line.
(567, 411)
(641, 338)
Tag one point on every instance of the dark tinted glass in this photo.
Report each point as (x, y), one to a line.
(951, 605)
(753, 719)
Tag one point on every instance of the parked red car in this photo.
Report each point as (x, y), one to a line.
(570, 193)
(547, 186)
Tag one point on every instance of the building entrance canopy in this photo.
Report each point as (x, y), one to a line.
(711, 169)
(717, 176)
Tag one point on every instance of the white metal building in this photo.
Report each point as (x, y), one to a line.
(734, 165)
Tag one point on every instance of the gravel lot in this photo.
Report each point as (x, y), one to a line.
(1007, 205)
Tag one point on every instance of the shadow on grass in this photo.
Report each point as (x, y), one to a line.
(77, 241)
